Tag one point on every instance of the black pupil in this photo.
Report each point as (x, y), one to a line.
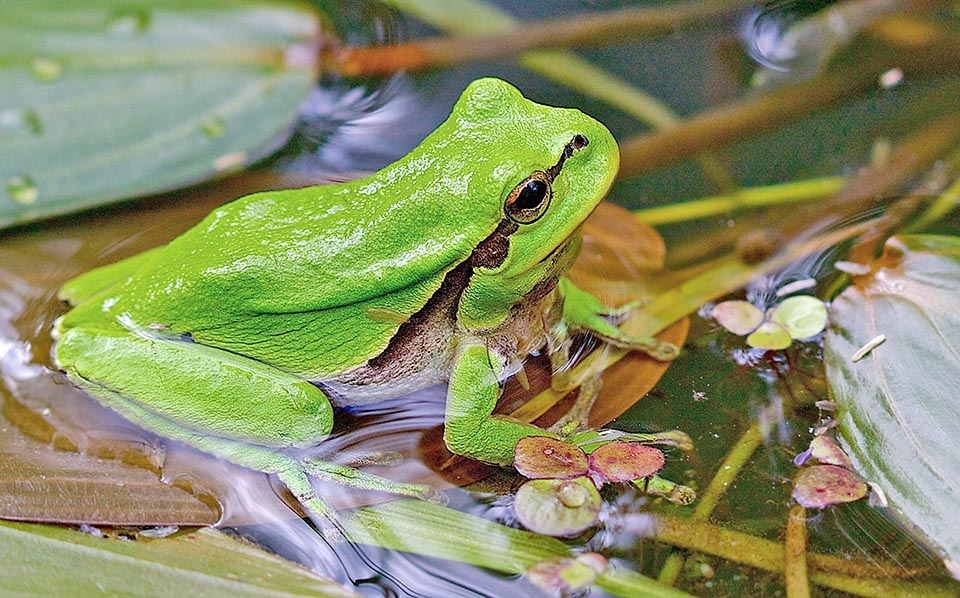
(531, 195)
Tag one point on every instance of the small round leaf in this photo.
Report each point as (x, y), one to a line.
(820, 486)
(803, 316)
(539, 457)
(739, 317)
(769, 336)
(625, 462)
(563, 575)
(542, 506)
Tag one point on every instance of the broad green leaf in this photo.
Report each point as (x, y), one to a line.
(42, 560)
(898, 408)
(102, 100)
(432, 530)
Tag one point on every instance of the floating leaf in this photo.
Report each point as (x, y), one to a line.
(739, 317)
(42, 560)
(897, 406)
(819, 486)
(558, 507)
(826, 451)
(566, 574)
(625, 462)
(102, 100)
(770, 336)
(546, 457)
(803, 316)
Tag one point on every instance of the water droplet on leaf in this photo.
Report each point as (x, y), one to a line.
(214, 127)
(46, 69)
(22, 189)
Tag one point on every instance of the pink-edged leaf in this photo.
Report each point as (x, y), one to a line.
(539, 457)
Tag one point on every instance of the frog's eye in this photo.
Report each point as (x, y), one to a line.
(529, 200)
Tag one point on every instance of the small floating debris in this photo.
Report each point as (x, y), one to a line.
(867, 348)
(852, 268)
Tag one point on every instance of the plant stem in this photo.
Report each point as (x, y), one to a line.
(795, 554)
(850, 575)
(930, 53)
(738, 456)
(609, 27)
(741, 199)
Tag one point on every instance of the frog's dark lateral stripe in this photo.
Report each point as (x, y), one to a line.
(576, 143)
(442, 305)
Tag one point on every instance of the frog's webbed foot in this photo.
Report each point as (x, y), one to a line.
(583, 311)
(348, 476)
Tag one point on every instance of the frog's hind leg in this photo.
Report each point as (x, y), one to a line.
(221, 403)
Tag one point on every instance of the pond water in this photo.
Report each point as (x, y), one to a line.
(720, 392)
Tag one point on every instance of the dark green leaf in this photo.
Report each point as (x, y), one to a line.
(897, 406)
(106, 99)
(41, 560)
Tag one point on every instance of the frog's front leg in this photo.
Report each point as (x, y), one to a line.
(470, 428)
(583, 311)
(225, 404)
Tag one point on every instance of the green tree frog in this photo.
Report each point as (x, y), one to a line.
(445, 266)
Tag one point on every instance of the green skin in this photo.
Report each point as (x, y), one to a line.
(235, 336)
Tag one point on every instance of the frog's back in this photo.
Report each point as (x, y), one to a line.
(292, 277)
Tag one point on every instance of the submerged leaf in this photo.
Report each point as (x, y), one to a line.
(102, 100)
(819, 486)
(897, 406)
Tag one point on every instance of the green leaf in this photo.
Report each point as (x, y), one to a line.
(897, 406)
(432, 530)
(802, 316)
(41, 560)
(102, 100)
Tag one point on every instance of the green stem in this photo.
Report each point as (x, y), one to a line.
(849, 575)
(741, 199)
(795, 554)
(726, 474)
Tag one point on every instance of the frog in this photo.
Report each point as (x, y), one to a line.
(239, 336)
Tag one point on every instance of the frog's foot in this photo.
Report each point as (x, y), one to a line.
(348, 476)
(583, 311)
(470, 428)
(676, 493)
(578, 417)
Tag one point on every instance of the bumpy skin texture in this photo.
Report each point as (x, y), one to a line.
(212, 339)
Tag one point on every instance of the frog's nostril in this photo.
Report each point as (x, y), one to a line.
(579, 141)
